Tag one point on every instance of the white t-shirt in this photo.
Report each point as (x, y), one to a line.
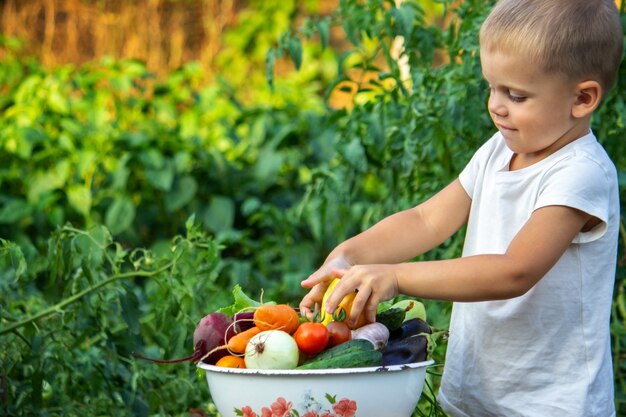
(546, 353)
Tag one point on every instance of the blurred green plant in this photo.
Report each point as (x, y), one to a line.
(67, 334)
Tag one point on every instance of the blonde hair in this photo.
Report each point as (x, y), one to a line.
(582, 39)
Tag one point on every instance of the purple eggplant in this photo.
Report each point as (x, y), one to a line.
(410, 328)
(408, 343)
(408, 350)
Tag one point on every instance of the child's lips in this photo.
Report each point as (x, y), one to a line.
(503, 127)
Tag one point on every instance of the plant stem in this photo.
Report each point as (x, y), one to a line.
(59, 306)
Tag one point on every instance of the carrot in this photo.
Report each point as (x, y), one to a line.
(231, 361)
(238, 343)
(276, 317)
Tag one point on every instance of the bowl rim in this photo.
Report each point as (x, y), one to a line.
(339, 371)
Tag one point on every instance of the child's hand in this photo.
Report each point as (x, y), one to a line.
(374, 284)
(319, 281)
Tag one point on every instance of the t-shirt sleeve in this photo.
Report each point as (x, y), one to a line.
(472, 171)
(580, 183)
(467, 177)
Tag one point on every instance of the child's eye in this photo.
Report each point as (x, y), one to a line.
(515, 98)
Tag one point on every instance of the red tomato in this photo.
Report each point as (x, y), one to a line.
(311, 337)
(338, 332)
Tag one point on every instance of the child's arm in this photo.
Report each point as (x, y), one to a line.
(533, 251)
(397, 238)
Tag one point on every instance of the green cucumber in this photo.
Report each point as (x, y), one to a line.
(350, 354)
(349, 346)
(356, 358)
(392, 318)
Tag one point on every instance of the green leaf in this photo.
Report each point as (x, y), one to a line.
(79, 197)
(12, 262)
(28, 89)
(120, 214)
(151, 158)
(270, 61)
(159, 170)
(183, 191)
(323, 27)
(220, 214)
(27, 138)
(137, 140)
(241, 301)
(120, 173)
(405, 19)
(355, 154)
(130, 310)
(57, 102)
(267, 166)
(48, 180)
(14, 210)
(163, 178)
(190, 223)
(294, 47)
(90, 247)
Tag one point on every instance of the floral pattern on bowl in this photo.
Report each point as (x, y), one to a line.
(310, 407)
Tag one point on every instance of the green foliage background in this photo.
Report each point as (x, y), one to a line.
(130, 206)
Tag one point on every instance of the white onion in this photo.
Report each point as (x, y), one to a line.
(376, 332)
(272, 349)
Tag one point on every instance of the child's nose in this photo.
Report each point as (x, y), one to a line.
(496, 106)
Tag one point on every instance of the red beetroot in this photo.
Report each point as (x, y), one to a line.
(244, 320)
(209, 339)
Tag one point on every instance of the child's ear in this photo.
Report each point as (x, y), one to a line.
(588, 96)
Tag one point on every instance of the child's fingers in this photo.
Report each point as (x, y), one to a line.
(366, 301)
(373, 284)
(311, 281)
(344, 287)
(371, 307)
(326, 272)
(360, 303)
(317, 277)
(313, 297)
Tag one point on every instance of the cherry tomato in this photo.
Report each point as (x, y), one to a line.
(311, 337)
(338, 332)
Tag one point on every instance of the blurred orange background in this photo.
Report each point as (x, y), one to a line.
(163, 33)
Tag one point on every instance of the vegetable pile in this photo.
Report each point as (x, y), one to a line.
(256, 335)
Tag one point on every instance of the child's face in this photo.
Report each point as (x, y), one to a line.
(531, 108)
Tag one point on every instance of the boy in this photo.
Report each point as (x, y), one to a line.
(529, 332)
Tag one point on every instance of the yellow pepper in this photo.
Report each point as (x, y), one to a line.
(345, 304)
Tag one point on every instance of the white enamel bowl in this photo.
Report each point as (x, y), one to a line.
(391, 391)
